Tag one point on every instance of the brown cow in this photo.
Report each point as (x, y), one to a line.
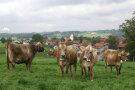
(88, 59)
(22, 53)
(66, 56)
(115, 58)
(51, 52)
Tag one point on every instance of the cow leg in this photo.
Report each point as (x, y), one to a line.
(116, 69)
(120, 68)
(106, 67)
(88, 70)
(70, 71)
(62, 70)
(67, 71)
(82, 72)
(28, 66)
(75, 66)
(8, 66)
(13, 66)
(111, 68)
(91, 74)
(85, 72)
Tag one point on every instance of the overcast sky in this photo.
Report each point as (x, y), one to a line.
(63, 15)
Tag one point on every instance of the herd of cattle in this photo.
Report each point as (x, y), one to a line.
(66, 56)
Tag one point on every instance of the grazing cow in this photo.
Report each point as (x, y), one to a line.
(22, 53)
(88, 59)
(51, 53)
(66, 56)
(115, 58)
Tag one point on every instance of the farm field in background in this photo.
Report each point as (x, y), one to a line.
(45, 74)
(94, 35)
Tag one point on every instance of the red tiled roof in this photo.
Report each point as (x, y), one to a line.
(76, 42)
(61, 42)
(122, 45)
(90, 44)
(99, 44)
(67, 39)
(52, 42)
(26, 41)
(106, 43)
(80, 44)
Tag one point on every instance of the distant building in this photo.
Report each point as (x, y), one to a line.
(17, 41)
(121, 39)
(121, 46)
(26, 42)
(101, 47)
(93, 33)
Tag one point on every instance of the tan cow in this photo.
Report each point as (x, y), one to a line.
(66, 56)
(88, 60)
(115, 58)
(22, 53)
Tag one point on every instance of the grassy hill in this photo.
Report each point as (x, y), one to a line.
(45, 74)
(94, 35)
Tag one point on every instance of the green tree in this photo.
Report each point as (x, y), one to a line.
(95, 40)
(69, 43)
(113, 42)
(62, 39)
(54, 39)
(81, 39)
(9, 39)
(3, 40)
(84, 43)
(37, 38)
(128, 27)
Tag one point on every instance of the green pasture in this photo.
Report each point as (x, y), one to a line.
(45, 74)
(94, 35)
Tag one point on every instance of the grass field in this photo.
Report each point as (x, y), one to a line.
(94, 35)
(45, 74)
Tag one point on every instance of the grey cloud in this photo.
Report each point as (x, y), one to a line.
(48, 15)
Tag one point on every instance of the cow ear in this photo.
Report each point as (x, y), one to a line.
(128, 54)
(56, 48)
(82, 48)
(119, 54)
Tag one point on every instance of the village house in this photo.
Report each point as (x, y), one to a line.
(101, 47)
(26, 41)
(121, 46)
(17, 41)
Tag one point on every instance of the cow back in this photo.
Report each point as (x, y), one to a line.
(111, 57)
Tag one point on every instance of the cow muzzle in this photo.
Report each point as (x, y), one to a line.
(62, 57)
(86, 59)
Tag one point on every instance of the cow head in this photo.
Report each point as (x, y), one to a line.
(39, 47)
(88, 53)
(61, 49)
(123, 55)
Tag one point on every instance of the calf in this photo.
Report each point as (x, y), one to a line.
(22, 53)
(115, 58)
(66, 56)
(88, 59)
